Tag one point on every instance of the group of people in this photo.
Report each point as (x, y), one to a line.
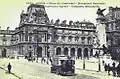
(115, 69)
(48, 59)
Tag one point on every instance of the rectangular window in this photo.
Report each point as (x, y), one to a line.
(30, 38)
(26, 37)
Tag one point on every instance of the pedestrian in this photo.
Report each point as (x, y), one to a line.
(109, 68)
(118, 70)
(9, 68)
(105, 67)
(34, 58)
(103, 62)
(50, 60)
(113, 69)
(42, 60)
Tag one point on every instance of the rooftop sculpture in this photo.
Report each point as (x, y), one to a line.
(100, 12)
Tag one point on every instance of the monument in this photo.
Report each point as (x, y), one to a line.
(101, 27)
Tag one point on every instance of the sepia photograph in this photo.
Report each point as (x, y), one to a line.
(60, 39)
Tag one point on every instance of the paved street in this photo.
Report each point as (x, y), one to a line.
(22, 69)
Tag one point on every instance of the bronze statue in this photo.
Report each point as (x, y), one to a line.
(100, 12)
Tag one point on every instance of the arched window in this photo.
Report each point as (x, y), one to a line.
(76, 38)
(83, 40)
(79, 52)
(70, 38)
(39, 51)
(58, 51)
(72, 52)
(65, 51)
(86, 52)
(63, 38)
(89, 40)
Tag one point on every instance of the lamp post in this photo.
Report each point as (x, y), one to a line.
(83, 61)
(99, 64)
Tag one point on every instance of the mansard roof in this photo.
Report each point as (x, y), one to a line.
(35, 5)
(114, 13)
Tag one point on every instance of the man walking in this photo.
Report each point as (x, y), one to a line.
(114, 69)
(9, 68)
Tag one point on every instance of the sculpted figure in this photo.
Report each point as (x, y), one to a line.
(100, 12)
(57, 22)
(70, 22)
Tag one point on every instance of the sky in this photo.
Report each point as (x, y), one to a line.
(10, 11)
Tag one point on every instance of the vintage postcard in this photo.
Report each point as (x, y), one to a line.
(60, 39)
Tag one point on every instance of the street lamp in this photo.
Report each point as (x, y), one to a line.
(83, 61)
(99, 64)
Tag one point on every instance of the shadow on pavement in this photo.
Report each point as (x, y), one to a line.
(11, 73)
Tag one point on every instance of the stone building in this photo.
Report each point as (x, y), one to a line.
(37, 35)
(113, 31)
(5, 42)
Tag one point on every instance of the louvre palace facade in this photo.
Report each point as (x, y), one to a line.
(38, 35)
(113, 31)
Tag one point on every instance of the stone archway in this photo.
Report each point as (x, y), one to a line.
(86, 53)
(65, 51)
(39, 51)
(4, 51)
(79, 53)
(72, 53)
(58, 51)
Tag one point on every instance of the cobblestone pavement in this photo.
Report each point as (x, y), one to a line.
(22, 69)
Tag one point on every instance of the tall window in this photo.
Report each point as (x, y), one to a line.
(4, 40)
(76, 38)
(39, 38)
(83, 40)
(26, 37)
(26, 34)
(89, 40)
(30, 38)
(70, 38)
(63, 38)
(22, 37)
(56, 37)
(19, 37)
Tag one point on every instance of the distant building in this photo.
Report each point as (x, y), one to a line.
(113, 31)
(37, 35)
(5, 42)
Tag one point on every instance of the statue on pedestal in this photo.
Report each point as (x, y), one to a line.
(100, 12)
(21, 16)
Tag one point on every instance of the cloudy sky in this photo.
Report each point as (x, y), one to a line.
(10, 11)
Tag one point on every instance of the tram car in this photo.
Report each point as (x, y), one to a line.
(63, 65)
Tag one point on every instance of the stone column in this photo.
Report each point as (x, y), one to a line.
(69, 51)
(60, 38)
(44, 50)
(82, 52)
(62, 50)
(80, 41)
(88, 52)
(54, 49)
(76, 52)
